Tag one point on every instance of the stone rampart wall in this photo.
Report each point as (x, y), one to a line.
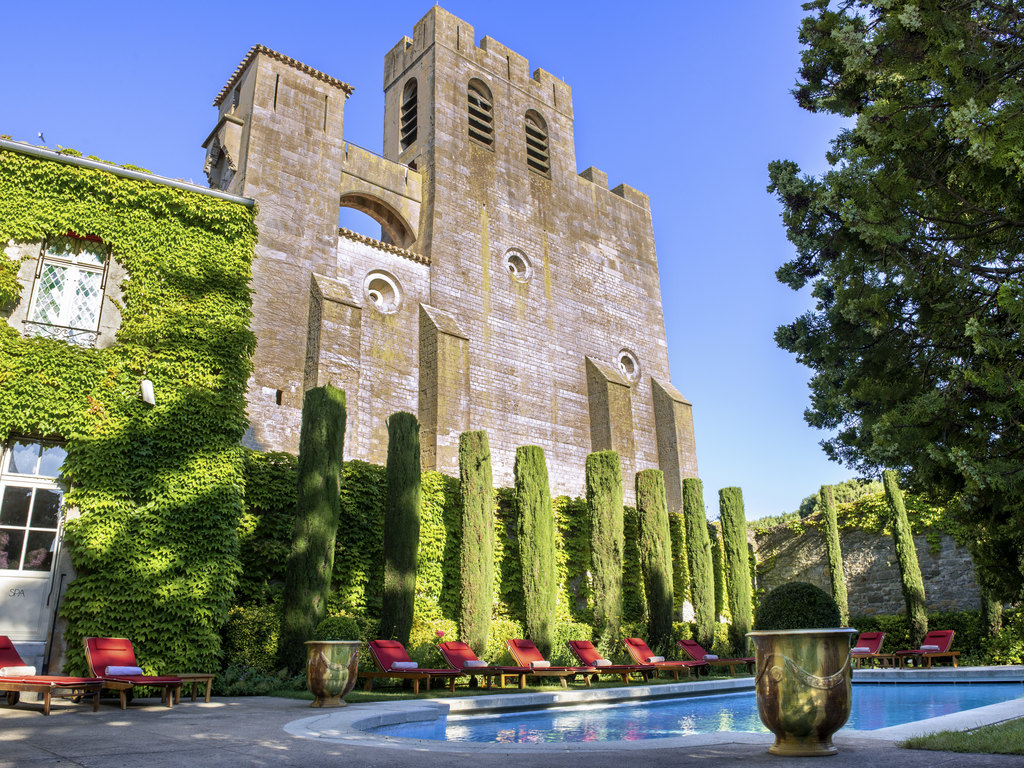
(869, 563)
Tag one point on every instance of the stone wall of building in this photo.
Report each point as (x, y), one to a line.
(527, 298)
(869, 564)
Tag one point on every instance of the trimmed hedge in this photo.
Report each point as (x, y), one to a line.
(906, 557)
(536, 545)
(655, 555)
(797, 605)
(737, 565)
(476, 562)
(834, 552)
(311, 563)
(401, 527)
(698, 550)
(604, 502)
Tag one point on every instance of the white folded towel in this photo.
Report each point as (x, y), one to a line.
(115, 671)
(17, 671)
(602, 663)
(860, 649)
(929, 647)
(474, 663)
(655, 659)
(710, 657)
(540, 664)
(399, 665)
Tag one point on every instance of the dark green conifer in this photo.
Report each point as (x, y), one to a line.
(655, 554)
(401, 526)
(698, 550)
(308, 573)
(906, 557)
(604, 501)
(718, 569)
(680, 568)
(536, 544)
(827, 502)
(737, 565)
(476, 561)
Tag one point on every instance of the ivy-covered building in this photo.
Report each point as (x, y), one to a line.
(115, 283)
(148, 333)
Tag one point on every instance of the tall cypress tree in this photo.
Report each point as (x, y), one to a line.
(655, 554)
(476, 557)
(536, 544)
(827, 501)
(906, 557)
(604, 502)
(680, 568)
(308, 573)
(718, 569)
(737, 565)
(401, 526)
(698, 550)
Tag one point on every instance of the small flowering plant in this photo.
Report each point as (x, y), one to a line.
(439, 633)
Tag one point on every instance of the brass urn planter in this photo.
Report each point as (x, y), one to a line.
(803, 687)
(331, 669)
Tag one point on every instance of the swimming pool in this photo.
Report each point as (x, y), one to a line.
(875, 705)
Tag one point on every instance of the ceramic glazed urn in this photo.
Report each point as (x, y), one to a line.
(803, 687)
(331, 670)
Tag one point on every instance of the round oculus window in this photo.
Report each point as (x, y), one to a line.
(628, 365)
(518, 265)
(383, 292)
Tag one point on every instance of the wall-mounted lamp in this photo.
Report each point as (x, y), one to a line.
(147, 392)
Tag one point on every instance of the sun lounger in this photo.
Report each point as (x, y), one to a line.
(936, 645)
(868, 647)
(113, 659)
(392, 661)
(526, 654)
(696, 651)
(16, 678)
(460, 656)
(642, 654)
(588, 655)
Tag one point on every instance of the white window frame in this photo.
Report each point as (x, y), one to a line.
(53, 255)
(36, 482)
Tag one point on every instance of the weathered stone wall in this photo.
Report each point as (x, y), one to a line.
(566, 351)
(869, 564)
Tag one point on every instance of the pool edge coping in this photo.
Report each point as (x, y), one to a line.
(346, 725)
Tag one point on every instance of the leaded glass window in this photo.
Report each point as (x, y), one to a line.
(68, 292)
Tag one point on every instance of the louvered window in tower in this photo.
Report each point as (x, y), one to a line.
(481, 113)
(537, 144)
(407, 127)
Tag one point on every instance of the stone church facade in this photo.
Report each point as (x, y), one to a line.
(507, 292)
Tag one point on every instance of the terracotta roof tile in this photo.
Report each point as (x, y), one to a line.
(348, 89)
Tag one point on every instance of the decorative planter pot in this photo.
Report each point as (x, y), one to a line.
(331, 670)
(803, 687)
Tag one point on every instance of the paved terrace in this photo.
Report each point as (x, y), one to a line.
(256, 731)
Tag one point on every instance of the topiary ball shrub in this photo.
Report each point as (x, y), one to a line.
(797, 605)
(337, 628)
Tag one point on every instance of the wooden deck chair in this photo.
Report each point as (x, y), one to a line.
(642, 654)
(16, 678)
(936, 645)
(460, 656)
(696, 651)
(113, 659)
(526, 654)
(392, 661)
(588, 655)
(868, 647)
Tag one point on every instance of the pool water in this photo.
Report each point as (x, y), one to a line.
(874, 706)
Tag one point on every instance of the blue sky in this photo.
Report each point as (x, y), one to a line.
(686, 101)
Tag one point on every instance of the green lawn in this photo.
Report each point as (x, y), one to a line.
(1000, 739)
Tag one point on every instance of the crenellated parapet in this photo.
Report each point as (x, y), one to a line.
(439, 27)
